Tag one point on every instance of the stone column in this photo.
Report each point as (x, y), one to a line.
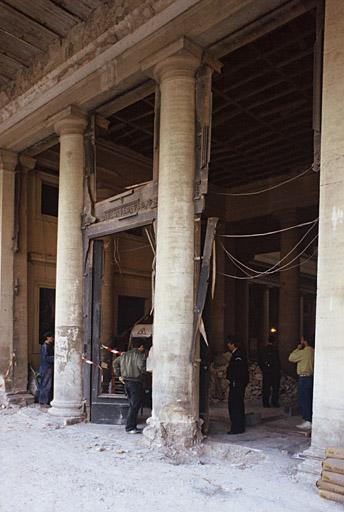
(266, 314)
(173, 422)
(69, 268)
(230, 290)
(289, 305)
(20, 332)
(242, 313)
(8, 161)
(328, 405)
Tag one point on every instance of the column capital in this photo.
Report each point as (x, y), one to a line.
(8, 160)
(70, 120)
(180, 58)
(27, 163)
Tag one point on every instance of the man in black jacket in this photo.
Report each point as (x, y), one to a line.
(269, 363)
(237, 374)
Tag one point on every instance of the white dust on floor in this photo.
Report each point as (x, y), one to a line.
(85, 467)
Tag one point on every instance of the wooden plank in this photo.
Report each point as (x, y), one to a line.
(11, 66)
(203, 281)
(90, 173)
(334, 452)
(18, 49)
(124, 100)
(26, 29)
(116, 226)
(76, 8)
(48, 14)
(333, 465)
(203, 127)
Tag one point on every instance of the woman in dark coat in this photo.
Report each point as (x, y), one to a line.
(46, 370)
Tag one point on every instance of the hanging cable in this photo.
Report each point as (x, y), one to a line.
(269, 271)
(232, 257)
(261, 191)
(272, 232)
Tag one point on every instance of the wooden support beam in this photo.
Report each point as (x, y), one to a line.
(261, 26)
(203, 281)
(126, 99)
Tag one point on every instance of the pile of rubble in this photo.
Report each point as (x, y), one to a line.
(218, 390)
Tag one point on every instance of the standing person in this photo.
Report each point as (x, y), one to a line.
(237, 374)
(303, 356)
(269, 363)
(46, 370)
(131, 366)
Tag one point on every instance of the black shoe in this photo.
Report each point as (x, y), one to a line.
(276, 405)
(234, 432)
(266, 405)
(135, 431)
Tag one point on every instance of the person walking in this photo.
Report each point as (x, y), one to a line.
(237, 374)
(46, 370)
(269, 363)
(303, 356)
(131, 367)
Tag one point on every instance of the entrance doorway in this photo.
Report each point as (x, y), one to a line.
(120, 297)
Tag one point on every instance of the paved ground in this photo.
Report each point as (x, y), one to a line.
(99, 468)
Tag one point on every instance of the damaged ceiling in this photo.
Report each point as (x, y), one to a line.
(28, 28)
(262, 109)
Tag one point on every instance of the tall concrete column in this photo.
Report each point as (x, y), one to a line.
(242, 312)
(20, 331)
(289, 305)
(230, 290)
(69, 268)
(328, 405)
(8, 161)
(266, 314)
(173, 420)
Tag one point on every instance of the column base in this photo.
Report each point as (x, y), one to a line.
(66, 409)
(180, 441)
(21, 398)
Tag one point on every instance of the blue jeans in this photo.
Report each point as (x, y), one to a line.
(305, 394)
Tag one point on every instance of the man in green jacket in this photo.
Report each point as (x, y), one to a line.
(303, 356)
(131, 366)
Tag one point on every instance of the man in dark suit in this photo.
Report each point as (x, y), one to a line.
(237, 374)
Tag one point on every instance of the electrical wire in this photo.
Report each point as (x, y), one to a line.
(235, 260)
(261, 191)
(271, 232)
(270, 271)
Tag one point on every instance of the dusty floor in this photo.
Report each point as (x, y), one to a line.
(86, 467)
